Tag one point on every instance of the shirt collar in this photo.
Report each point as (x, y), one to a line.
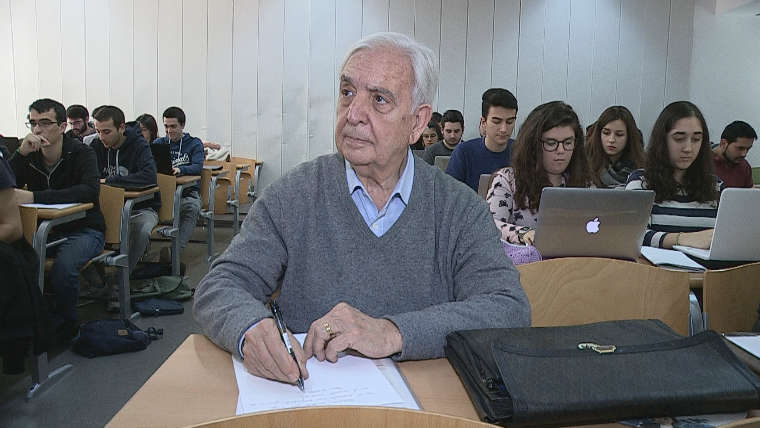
(403, 187)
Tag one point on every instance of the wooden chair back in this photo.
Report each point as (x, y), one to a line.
(581, 290)
(484, 183)
(225, 186)
(730, 298)
(111, 204)
(28, 222)
(166, 186)
(442, 162)
(247, 178)
(345, 417)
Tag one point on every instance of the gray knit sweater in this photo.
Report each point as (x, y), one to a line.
(440, 268)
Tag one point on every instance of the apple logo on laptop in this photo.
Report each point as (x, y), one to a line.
(593, 225)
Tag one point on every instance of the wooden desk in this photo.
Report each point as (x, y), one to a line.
(695, 278)
(197, 384)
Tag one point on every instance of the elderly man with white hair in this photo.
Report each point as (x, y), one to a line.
(368, 249)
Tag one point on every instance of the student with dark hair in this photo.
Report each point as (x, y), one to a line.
(124, 158)
(59, 169)
(614, 148)
(187, 159)
(148, 127)
(679, 170)
(486, 154)
(453, 126)
(79, 121)
(549, 152)
(10, 220)
(430, 136)
(729, 157)
(436, 117)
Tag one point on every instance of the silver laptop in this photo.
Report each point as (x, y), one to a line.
(736, 236)
(592, 222)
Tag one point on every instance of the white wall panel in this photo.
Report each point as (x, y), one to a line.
(271, 29)
(245, 53)
(529, 71)
(453, 55)
(9, 120)
(24, 28)
(49, 48)
(194, 57)
(261, 76)
(145, 64)
(631, 55)
(169, 56)
(427, 30)
(506, 34)
(477, 59)
(219, 74)
(556, 41)
(121, 51)
(605, 50)
(374, 16)
(96, 15)
(655, 37)
(401, 17)
(580, 58)
(679, 50)
(295, 86)
(73, 52)
(322, 78)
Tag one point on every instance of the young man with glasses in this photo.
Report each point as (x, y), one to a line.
(79, 122)
(58, 169)
(484, 155)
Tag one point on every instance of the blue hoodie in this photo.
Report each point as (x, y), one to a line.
(187, 155)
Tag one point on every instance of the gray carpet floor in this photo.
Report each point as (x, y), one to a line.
(91, 393)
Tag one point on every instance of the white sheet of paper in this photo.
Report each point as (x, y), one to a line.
(352, 381)
(49, 206)
(670, 259)
(750, 344)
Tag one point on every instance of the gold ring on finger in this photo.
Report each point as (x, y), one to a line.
(329, 330)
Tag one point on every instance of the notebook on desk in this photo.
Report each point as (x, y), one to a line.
(592, 222)
(129, 187)
(163, 159)
(736, 236)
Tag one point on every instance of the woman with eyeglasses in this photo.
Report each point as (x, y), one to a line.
(548, 152)
(614, 148)
(431, 135)
(679, 170)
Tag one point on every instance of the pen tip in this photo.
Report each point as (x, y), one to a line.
(300, 384)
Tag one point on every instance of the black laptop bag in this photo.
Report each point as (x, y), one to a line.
(599, 372)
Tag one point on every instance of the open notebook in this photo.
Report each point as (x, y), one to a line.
(351, 381)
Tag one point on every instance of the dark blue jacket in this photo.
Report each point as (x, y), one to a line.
(131, 164)
(187, 155)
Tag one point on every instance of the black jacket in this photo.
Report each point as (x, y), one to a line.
(131, 164)
(73, 179)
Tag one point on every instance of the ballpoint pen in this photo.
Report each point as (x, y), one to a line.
(284, 333)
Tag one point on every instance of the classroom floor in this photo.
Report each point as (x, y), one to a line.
(95, 389)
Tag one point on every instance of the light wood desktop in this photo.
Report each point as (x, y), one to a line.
(197, 384)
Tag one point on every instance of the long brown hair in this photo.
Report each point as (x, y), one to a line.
(699, 181)
(634, 147)
(527, 159)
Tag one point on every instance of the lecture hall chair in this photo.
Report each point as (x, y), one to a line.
(346, 417)
(730, 298)
(581, 290)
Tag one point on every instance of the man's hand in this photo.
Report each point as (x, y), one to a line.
(176, 171)
(701, 239)
(32, 143)
(210, 145)
(24, 197)
(351, 329)
(265, 355)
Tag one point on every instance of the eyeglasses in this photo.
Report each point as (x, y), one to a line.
(43, 123)
(553, 145)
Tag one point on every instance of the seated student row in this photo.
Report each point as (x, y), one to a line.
(57, 168)
(550, 152)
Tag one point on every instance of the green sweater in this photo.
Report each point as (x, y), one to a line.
(439, 268)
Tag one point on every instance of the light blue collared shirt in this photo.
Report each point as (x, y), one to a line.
(380, 221)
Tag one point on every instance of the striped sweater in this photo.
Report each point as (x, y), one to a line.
(676, 215)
